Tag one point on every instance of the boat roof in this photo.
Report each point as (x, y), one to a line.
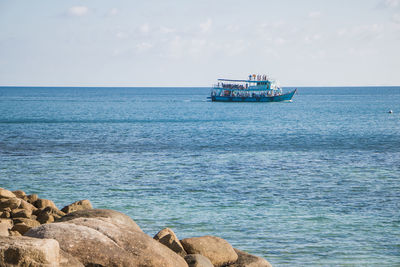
(244, 81)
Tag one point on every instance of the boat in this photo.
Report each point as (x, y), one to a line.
(257, 88)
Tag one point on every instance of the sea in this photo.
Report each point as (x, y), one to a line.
(312, 182)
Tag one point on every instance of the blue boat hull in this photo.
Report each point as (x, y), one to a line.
(278, 98)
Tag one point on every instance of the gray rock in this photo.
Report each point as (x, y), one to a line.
(218, 250)
(197, 260)
(26, 251)
(168, 238)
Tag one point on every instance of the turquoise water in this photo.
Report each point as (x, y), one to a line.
(314, 182)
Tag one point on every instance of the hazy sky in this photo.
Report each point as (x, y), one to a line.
(192, 43)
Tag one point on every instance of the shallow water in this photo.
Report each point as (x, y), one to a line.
(312, 182)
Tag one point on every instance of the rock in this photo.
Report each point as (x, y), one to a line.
(111, 216)
(5, 214)
(247, 260)
(15, 233)
(5, 226)
(20, 194)
(95, 241)
(197, 260)
(4, 193)
(218, 250)
(21, 228)
(66, 260)
(21, 213)
(29, 222)
(26, 251)
(11, 203)
(43, 203)
(168, 238)
(4, 229)
(32, 198)
(27, 206)
(45, 218)
(78, 205)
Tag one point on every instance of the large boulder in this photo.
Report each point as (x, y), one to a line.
(247, 260)
(197, 260)
(67, 260)
(106, 215)
(26, 251)
(218, 250)
(4, 193)
(97, 241)
(168, 238)
(78, 205)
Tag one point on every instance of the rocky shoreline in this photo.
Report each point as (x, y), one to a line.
(34, 232)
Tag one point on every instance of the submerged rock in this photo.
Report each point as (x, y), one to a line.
(218, 250)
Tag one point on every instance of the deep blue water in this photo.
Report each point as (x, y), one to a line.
(315, 182)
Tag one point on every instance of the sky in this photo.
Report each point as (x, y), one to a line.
(193, 43)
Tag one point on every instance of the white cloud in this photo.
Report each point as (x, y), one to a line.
(391, 3)
(113, 11)
(145, 28)
(143, 46)
(396, 18)
(166, 30)
(121, 35)
(78, 11)
(206, 26)
(314, 15)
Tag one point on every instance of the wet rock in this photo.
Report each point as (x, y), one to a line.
(197, 260)
(43, 203)
(78, 205)
(168, 238)
(218, 250)
(4, 193)
(106, 215)
(11, 203)
(26, 251)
